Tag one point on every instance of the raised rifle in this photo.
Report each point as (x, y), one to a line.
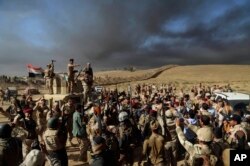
(78, 74)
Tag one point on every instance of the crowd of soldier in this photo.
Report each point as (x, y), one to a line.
(154, 125)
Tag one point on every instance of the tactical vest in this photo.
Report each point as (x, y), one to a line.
(190, 159)
(52, 140)
(232, 138)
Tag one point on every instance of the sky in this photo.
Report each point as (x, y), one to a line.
(116, 33)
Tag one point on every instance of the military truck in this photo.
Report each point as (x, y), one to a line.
(63, 98)
(60, 91)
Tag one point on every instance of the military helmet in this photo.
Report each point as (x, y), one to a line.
(5, 130)
(53, 123)
(123, 116)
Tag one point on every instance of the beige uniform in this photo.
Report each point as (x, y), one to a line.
(86, 81)
(155, 144)
(41, 114)
(194, 149)
(71, 77)
(49, 76)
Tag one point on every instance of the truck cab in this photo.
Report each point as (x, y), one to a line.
(236, 100)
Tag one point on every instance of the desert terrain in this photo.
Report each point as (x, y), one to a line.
(238, 76)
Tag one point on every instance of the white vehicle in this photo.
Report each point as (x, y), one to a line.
(236, 100)
(98, 88)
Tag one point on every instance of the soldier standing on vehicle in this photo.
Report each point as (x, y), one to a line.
(49, 76)
(71, 75)
(87, 82)
(10, 148)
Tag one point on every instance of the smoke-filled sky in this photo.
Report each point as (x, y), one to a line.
(120, 33)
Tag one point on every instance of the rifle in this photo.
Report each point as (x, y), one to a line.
(51, 73)
(82, 69)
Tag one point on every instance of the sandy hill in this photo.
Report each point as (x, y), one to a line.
(236, 75)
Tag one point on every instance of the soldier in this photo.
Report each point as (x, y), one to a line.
(218, 145)
(126, 138)
(10, 148)
(13, 109)
(30, 127)
(171, 145)
(87, 82)
(41, 110)
(67, 114)
(49, 75)
(54, 112)
(71, 75)
(55, 142)
(79, 131)
(153, 148)
(237, 136)
(198, 151)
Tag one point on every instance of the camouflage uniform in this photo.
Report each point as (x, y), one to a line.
(246, 126)
(41, 114)
(196, 149)
(55, 147)
(68, 111)
(49, 75)
(71, 75)
(30, 127)
(87, 81)
(232, 135)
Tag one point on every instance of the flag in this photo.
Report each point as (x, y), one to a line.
(35, 71)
